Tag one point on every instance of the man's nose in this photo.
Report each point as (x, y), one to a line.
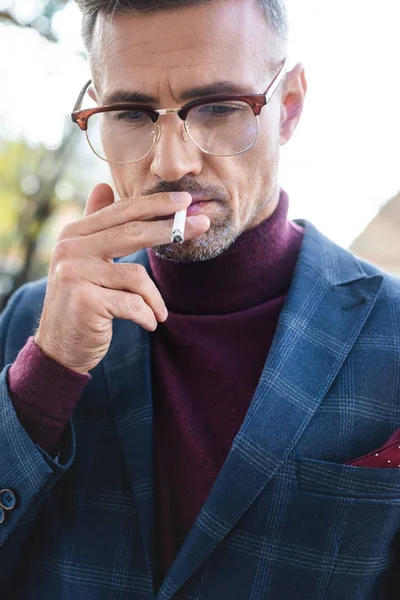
(174, 155)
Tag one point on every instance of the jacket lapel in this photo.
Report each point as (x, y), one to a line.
(328, 303)
(127, 367)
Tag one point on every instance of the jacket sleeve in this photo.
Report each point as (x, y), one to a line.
(27, 473)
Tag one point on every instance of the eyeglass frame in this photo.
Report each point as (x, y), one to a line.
(255, 101)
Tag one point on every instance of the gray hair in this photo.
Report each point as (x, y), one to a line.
(274, 11)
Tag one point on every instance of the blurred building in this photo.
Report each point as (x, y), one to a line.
(379, 243)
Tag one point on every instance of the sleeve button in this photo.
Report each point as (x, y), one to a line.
(7, 499)
(2, 515)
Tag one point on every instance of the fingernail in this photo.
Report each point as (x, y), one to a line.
(180, 196)
(198, 220)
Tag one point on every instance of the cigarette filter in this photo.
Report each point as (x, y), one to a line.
(178, 228)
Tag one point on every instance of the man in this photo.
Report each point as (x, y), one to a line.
(178, 420)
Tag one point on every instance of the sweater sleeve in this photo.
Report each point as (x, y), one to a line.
(44, 394)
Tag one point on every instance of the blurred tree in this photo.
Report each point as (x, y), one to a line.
(28, 175)
(41, 21)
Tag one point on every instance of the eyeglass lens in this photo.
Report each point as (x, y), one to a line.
(221, 128)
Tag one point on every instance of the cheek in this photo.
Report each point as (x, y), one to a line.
(257, 167)
(266, 152)
(256, 171)
(129, 180)
(269, 133)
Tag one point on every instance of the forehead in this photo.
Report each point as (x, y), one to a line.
(182, 47)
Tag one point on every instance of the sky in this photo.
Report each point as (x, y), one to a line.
(342, 164)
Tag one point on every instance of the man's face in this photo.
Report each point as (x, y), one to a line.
(163, 55)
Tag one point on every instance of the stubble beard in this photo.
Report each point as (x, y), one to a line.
(223, 232)
(217, 239)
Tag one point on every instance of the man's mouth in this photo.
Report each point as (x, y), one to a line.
(195, 208)
(198, 207)
(197, 199)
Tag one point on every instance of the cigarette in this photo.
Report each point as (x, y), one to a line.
(178, 228)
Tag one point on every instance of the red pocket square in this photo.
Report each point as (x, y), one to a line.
(386, 457)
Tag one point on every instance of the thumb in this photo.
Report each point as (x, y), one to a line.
(100, 196)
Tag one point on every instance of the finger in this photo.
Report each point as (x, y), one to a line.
(125, 277)
(129, 238)
(141, 208)
(132, 307)
(100, 197)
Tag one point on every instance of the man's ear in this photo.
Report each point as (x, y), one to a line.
(292, 102)
(92, 92)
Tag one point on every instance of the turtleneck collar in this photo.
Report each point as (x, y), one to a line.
(257, 267)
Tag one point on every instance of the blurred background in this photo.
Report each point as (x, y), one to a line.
(341, 169)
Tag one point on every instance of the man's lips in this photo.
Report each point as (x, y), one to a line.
(198, 207)
(199, 199)
(193, 208)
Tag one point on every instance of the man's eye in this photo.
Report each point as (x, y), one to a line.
(219, 109)
(129, 116)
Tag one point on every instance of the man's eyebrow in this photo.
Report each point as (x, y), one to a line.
(212, 89)
(219, 87)
(121, 96)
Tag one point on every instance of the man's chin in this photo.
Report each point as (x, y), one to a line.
(201, 249)
(188, 252)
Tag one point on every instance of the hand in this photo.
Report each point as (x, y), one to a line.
(86, 290)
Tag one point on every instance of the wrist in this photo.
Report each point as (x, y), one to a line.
(43, 347)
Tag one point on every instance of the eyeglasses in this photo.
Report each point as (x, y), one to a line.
(223, 125)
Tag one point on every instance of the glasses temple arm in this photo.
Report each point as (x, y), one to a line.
(81, 96)
(270, 91)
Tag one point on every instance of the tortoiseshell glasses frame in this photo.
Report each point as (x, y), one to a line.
(255, 101)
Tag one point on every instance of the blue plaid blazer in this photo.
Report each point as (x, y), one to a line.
(285, 520)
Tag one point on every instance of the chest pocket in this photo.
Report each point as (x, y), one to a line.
(347, 481)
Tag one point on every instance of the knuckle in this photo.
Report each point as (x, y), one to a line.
(65, 271)
(139, 271)
(129, 206)
(108, 236)
(120, 206)
(136, 303)
(123, 274)
(134, 228)
(66, 231)
(131, 273)
(61, 250)
(98, 218)
(120, 270)
(127, 303)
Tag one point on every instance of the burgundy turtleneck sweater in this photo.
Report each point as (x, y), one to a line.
(207, 359)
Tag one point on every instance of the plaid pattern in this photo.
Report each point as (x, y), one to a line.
(286, 518)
